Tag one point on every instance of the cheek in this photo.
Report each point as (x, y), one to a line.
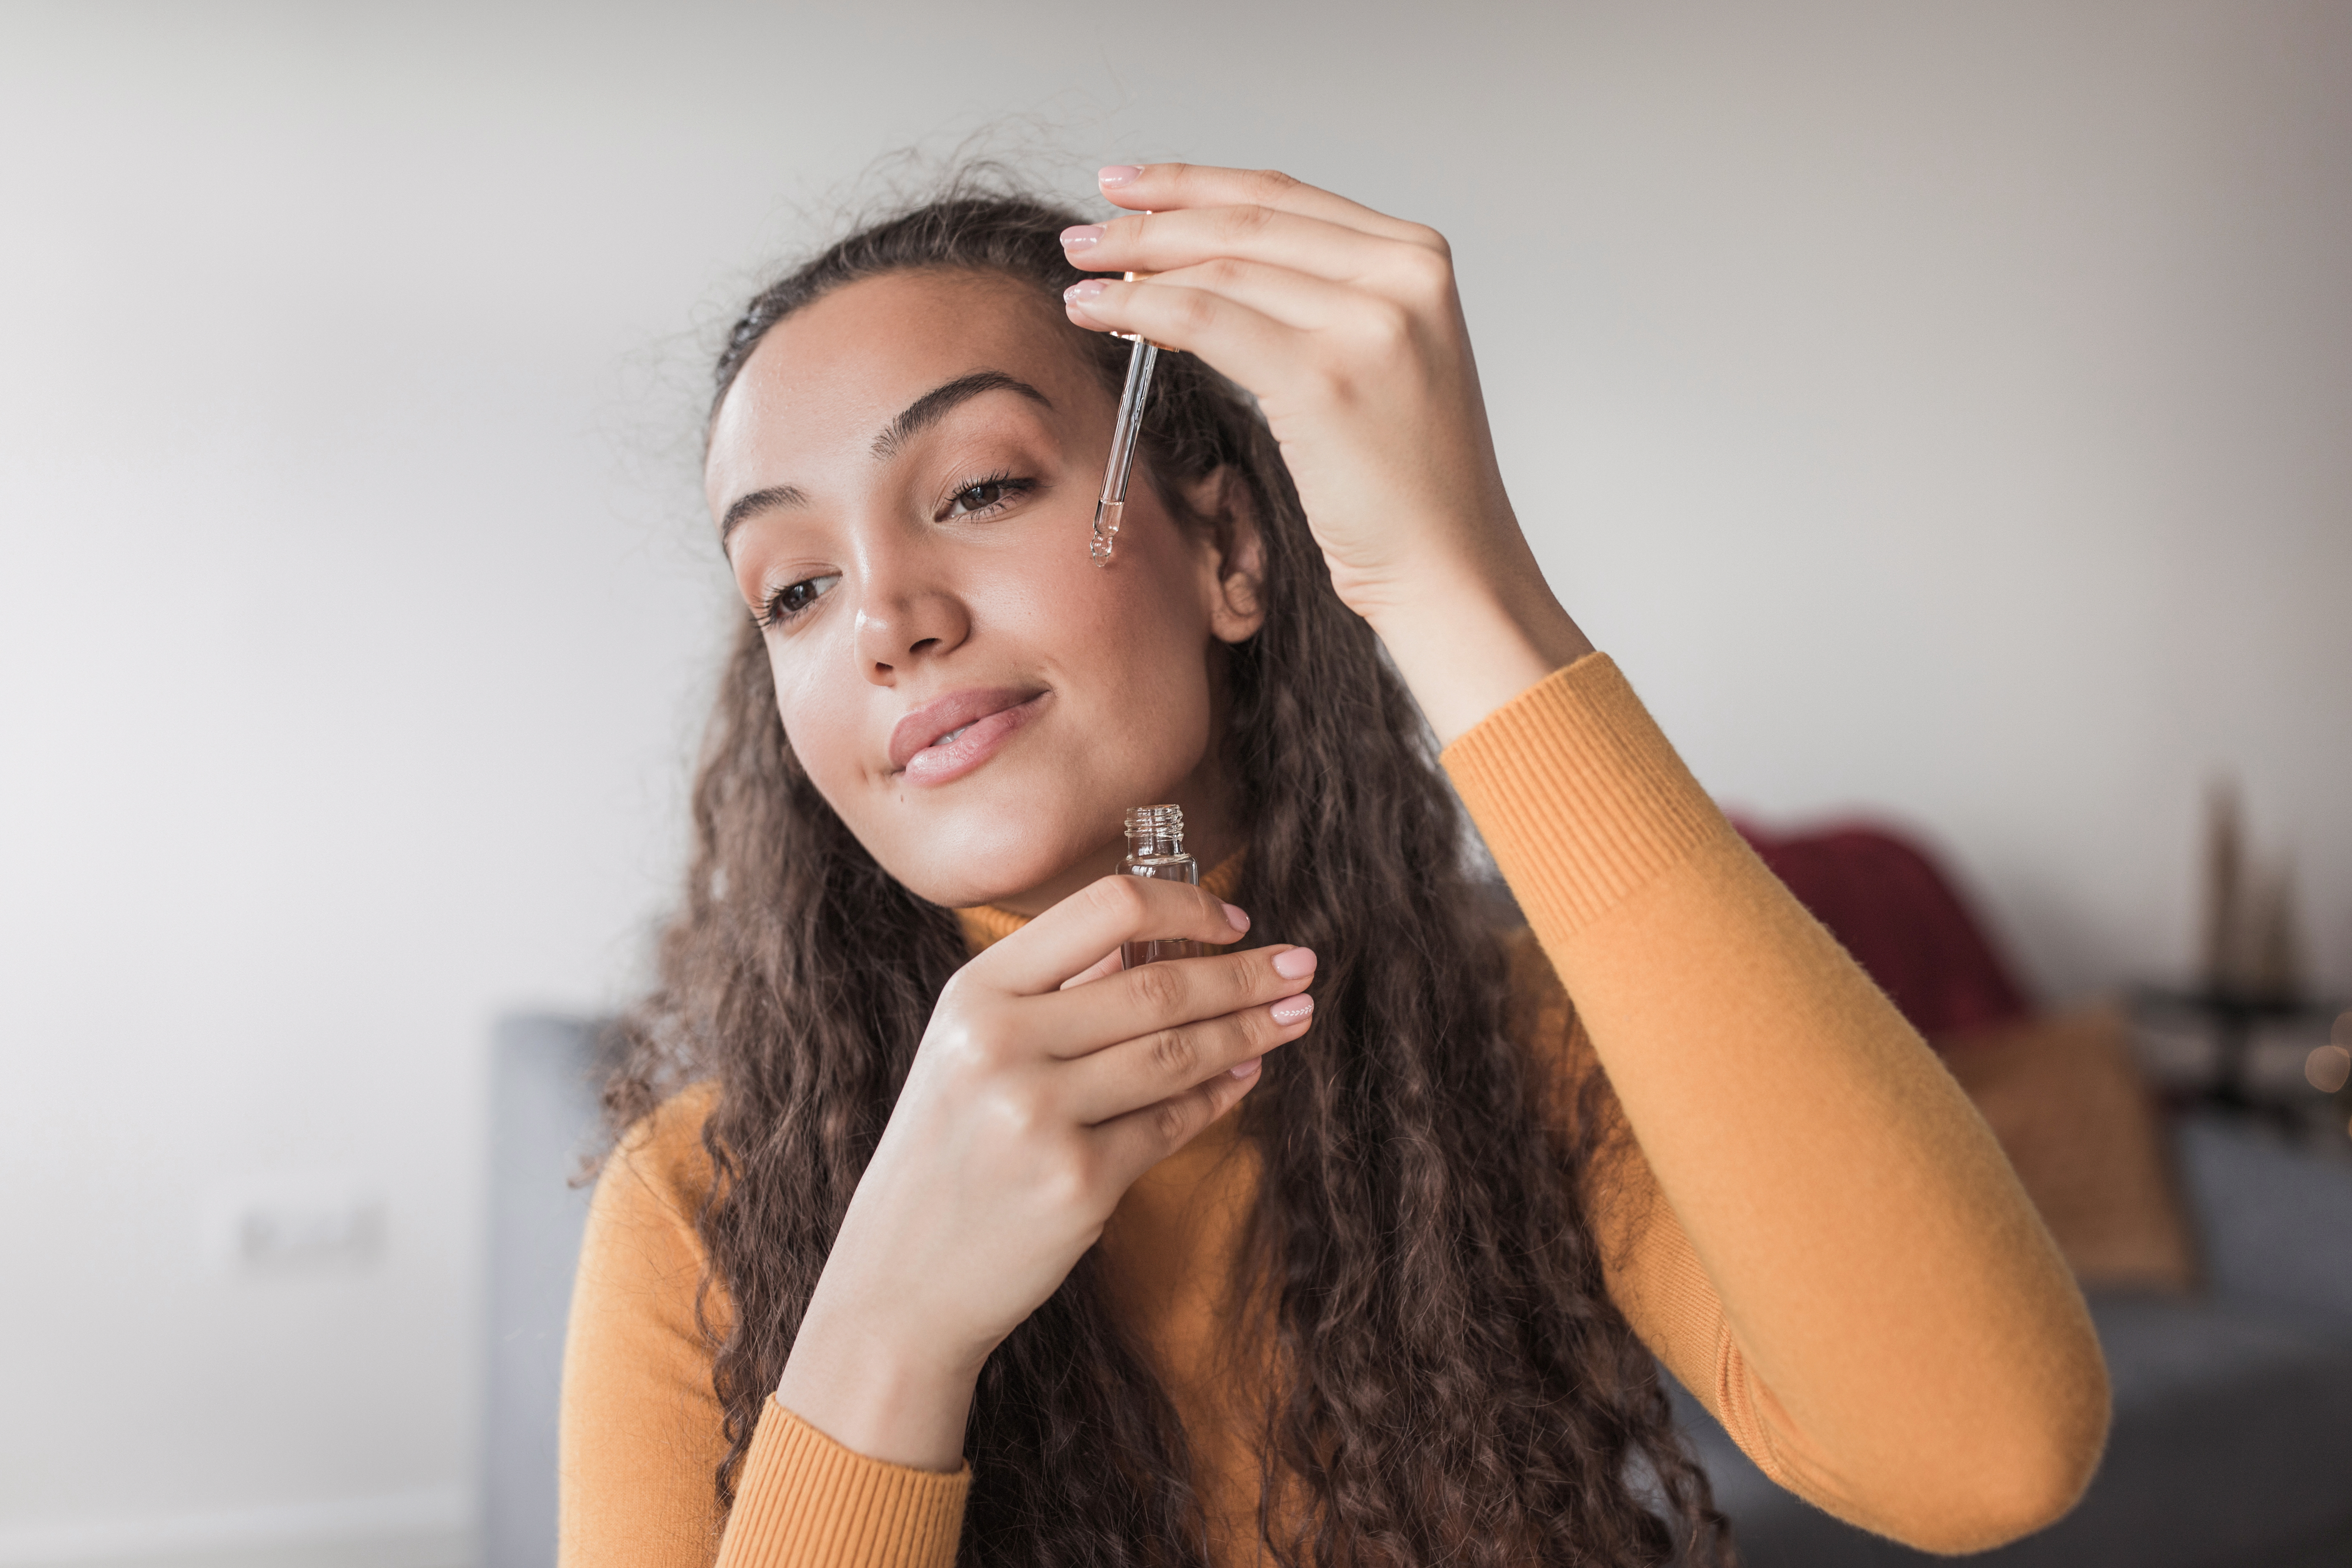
(1130, 645)
(821, 717)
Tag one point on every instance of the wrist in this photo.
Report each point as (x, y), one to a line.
(877, 1389)
(1467, 641)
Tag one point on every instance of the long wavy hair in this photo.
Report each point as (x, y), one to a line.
(1454, 1384)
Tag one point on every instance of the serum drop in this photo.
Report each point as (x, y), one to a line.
(1155, 847)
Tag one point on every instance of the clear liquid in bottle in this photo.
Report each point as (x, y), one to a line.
(1155, 847)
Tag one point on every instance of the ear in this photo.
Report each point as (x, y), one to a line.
(1231, 555)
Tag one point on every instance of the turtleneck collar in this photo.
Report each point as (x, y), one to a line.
(984, 924)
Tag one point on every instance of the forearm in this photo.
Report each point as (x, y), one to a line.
(1924, 1352)
(1917, 1341)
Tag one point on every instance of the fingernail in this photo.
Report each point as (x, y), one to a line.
(1236, 917)
(1080, 292)
(1081, 236)
(1117, 174)
(1247, 1069)
(1291, 1011)
(1296, 965)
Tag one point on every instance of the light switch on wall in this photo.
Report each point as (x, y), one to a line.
(292, 1223)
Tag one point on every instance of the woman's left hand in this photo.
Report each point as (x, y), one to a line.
(1346, 326)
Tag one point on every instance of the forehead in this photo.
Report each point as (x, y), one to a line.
(830, 375)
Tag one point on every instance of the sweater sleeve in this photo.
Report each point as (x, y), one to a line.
(641, 1431)
(1811, 1226)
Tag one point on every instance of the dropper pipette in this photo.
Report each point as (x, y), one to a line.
(1132, 398)
(1129, 425)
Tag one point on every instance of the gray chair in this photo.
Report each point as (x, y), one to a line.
(544, 1078)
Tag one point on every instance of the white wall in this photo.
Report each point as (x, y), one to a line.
(1937, 409)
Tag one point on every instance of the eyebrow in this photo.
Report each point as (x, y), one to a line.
(747, 506)
(913, 420)
(933, 406)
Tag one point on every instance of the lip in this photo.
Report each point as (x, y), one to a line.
(988, 718)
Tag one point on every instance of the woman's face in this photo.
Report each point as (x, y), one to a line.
(905, 475)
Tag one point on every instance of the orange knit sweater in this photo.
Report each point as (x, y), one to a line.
(1814, 1231)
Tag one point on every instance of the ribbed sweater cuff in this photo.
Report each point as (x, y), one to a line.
(1578, 795)
(804, 1499)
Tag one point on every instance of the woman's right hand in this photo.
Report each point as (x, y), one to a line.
(1048, 1081)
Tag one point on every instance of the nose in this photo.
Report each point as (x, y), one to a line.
(906, 616)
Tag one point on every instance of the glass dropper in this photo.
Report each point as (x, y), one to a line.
(1132, 398)
(1128, 427)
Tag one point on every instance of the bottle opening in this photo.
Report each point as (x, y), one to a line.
(1155, 830)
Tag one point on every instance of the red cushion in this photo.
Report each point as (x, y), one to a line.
(1899, 915)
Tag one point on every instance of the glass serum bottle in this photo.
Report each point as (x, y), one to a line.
(1155, 847)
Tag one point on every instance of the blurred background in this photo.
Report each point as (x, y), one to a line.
(1944, 415)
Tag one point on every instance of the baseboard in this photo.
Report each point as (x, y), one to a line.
(433, 1529)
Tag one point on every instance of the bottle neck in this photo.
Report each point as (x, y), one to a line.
(1154, 843)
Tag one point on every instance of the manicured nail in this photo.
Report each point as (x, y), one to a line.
(1078, 293)
(1247, 1069)
(1296, 965)
(1236, 917)
(1291, 1011)
(1117, 174)
(1081, 236)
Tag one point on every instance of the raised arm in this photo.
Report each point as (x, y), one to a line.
(1906, 1344)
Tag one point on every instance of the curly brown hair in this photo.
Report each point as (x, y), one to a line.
(1456, 1386)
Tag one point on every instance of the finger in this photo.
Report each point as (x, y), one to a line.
(1295, 300)
(1169, 187)
(1111, 964)
(1248, 345)
(1074, 935)
(1153, 997)
(1164, 241)
(1144, 1071)
(1141, 1139)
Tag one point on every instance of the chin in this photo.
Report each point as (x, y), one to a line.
(988, 853)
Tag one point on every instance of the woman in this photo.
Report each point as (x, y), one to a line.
(933, 1235)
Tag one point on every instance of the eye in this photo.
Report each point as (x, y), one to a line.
(793, 598)
(977, 498)
(986, 496)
